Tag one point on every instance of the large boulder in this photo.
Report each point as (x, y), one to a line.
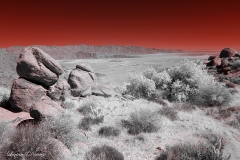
(81, 82)
(97, 91)
(37, 66)
(44, 109)
(85, 67)
(24, 94)
(227, 52)
(108, 91)
(59, 90)
(214, 61)
(13, 118)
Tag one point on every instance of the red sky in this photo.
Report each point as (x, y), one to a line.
(176, 24)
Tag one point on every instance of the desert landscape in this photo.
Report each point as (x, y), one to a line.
(119, 80)
(118, 103)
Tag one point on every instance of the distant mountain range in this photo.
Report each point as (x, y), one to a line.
(85, 51)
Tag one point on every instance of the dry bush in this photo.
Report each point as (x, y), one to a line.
(109, 131)
(213, 95)
(140, 86)
(169, 112)
(4, 97)
(236, 64)
(142, 121)
(88, 121)
(92, 113)
(187, 81)
(104, 153)
(236, 122)
(193, 152)
(149, 73)
(186, 107)
(90, 107)
(70, 104)
(29, 143)
(224, 113)
(64, 129)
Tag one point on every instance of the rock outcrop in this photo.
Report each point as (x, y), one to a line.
(227, 52)
(46, 108)
(37, 66)
(83, 82)
(25, 93)
(214, 61)
(222, 67)
(13, 118)
(85, 67)
(38, 90)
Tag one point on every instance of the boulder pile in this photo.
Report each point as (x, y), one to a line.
(225, 67)
(83, 82)
(39, 90)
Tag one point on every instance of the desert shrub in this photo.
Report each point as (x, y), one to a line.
(63, 128)
(121, 89)
(236, 64)
(187, 81)
(149, 73)
(142, 121)
(90, 107)
(169, 112)
(104, 153)
(186, 107)
(4, 97)
(224, 113)
(70, 104)
(30, 143)
(213, 94)
(88, 121)
(193, 152)
(197, 86)
(235, 80)
(140, 86)
(236, 122)
(162, 79)
(108, 131)
(92, 113)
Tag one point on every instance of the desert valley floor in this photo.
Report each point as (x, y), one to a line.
(116, 70)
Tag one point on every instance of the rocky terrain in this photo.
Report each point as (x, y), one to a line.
(56, 115)
(225, 67)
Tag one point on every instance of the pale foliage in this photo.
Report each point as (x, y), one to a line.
(4, 93)
(140, 86)
(186, 81)
(236, 64)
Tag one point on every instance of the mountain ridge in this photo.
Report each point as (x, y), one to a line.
(91, 51)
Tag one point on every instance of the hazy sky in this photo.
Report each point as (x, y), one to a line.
(177, 24)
